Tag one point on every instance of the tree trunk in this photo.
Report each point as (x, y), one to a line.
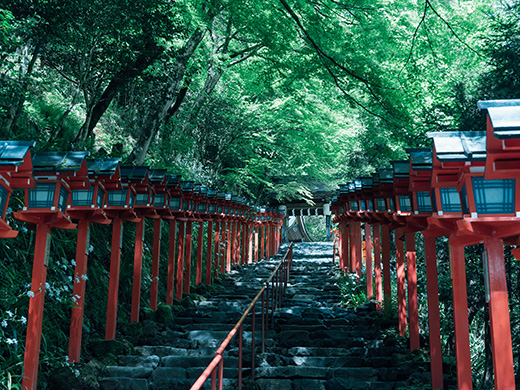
(157, 116)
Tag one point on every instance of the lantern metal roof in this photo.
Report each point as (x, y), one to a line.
(421, 158)
(14, 152)
(134, 173)
(173, 180)
(157, 175)
(102, 166)
(58, 161)
(504, 116)
(459, 145)
(386, 175)
(401, 169)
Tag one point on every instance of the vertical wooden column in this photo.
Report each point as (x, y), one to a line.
(262, 255)
(156, 255)
(36, 302)
(200, 237)
(341, 240)
(401, 287)
(500, 324)
(460, 317)
(368, 250)
(434, 322)
(387, 287)
(411, 274)
(80, 280)
(234, 235)
(171, 263)
(255, 232)
(217, 249)
(180, 261)
(187, 275)
(209, 252)
(347, 249)
(113, 282)
(222, 247)
(353, 243)
(377, 264)
(359, 249)
(228, 252)
(250, 229)
(138, 266)
(240, 246)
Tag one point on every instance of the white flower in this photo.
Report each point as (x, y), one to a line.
(9, 313)
(76, 280)
(76, 372)
(30, 294)
(24, 320)
(24, 229)
(64, 266)
(12, 341)
(73, 262)
(4, 324)
(70, 278)
(66, 359)
(90, 249)
(84, 277)
(47, 285)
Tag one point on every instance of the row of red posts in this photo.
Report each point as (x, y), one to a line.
(465, 188)
(66, 190)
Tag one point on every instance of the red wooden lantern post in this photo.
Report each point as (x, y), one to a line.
(161, 202)
(366, 205)
(449, 158)
(174, 211)
(202, 215)
(228, 213)
(211, 216)
(45, 206)
(420, 188)
(88, 197)
(219, 262)
(185, 233)
(119, 206)
(263, 221)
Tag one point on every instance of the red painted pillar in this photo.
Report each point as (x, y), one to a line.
(180, 261)
(156, 255)
(347, 248)
(377, 264)
(171, 263)
(250, 233)
(255, 232)
(209, 252)
(460, 317)
(36, 302)
(222, 248)
(234, 243)
(341, 240)
(353, 243)
(113, 283)
(411, 274)
(500, 324)
(262, 256)
(200, 237)
(434, 321)
(368, 250)
(240, 246)
(80, 280)
(228, 252)
(217, 248)
(187, 275)
(401, 287)
(138, 265)
(387, 287)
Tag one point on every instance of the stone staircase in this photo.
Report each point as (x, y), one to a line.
(312, 344)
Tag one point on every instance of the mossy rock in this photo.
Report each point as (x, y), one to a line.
(178, 309)
(101, 348)
(187, 302)
(147, 314)
(133, 331)
(74, 377)
(164, 314)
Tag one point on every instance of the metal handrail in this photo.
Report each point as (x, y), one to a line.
(278, 280)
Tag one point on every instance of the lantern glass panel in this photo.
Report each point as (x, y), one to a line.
(141, 199)
(175, 203)
(116, 198)
(226, 208)
(4, 194)
(186, 205)
(220, 209)
(132, 198)
(42, 196)
(82, 197)
(404, 203)
(202, 207)
(64, 196)
(159, 200)
(100, 197)
(494, 196)
(381, 204)
(391, 203)
(370, 204)
(424, 202)
(354, 206)
(363, 205)
(450, 200)
(212, 208)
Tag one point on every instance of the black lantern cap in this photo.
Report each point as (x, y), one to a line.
(357, 184)
(401, 169)
(421, 158)
(343, 189)
(504, 116)
(460, 145)
(134, 172)
(102, 166)
(212, 193)
(187, 185)
(221, 196)
(58, 161)
(173, 180)
(157, 175)
(367, 182)
(351, 187)
(386, 175)
(14, 152)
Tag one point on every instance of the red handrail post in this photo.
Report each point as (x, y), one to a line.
(401, 288)
(187, 275)
(228, 252)
(387, 289)
(240, 334)
(411, 274)
(113, 283)
(368, 259)
(171, 263)
(253, 354)
(138, 265)
(209, 252)
(234, 243)
(180, 261)
(377, 265)
(200, 237)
